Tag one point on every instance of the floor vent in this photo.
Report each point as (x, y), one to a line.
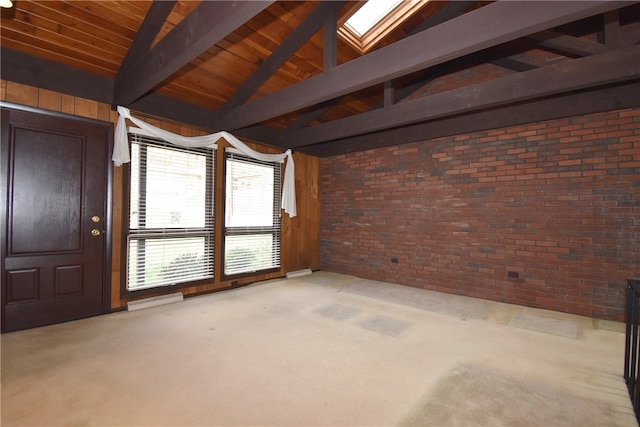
(298, 273)
(155, 301)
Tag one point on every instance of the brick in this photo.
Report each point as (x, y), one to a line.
(570, 162)
(516, 151)
(551, 200)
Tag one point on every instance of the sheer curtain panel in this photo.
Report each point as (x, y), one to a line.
(121, 151)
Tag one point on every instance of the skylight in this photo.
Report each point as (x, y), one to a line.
(370, 21)
(370, 14)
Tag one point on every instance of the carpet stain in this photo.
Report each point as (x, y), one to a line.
(436, 302)
(384, 325)
(338, 311)
(476, 396)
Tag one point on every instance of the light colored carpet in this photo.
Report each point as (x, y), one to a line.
(549, 325)
(318, 350)
(489, 398)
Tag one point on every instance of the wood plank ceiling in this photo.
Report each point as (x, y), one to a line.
(278, 73)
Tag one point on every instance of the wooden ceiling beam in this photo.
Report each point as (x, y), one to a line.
(147, 33)
(606, 68)
(513, 64)
(632, 37)
(300, 35)
(612, 33)
(567, 44)
(567, 105)
(31, 70)
(427, 76)
(206, 25)
(330, 39)
(451, 10)
(314, 113)
(261, 134)
(493, 24)
(158, 105)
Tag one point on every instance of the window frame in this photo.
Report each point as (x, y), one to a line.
(388, 23)
(275, 230)
(210, 229)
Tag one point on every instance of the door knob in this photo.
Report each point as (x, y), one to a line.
(95, 232)
(95, 218)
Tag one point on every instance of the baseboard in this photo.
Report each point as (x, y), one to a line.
(298, 273)
(154, 301)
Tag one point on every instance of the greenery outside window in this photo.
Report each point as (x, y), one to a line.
(252, 214)
(171, 214)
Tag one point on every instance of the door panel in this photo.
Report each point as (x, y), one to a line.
(55, 176)
(46, 179)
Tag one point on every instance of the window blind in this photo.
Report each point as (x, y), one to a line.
(252, 214)
(171, 214)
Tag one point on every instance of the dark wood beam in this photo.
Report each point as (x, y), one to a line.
(29, 70)
(632, 37)
(330, 39)
(612, 34)
(451, 10)
(426, 76)
(568, 105)
(165, 107)
(38, 72)
(158, 105)
(148, 31)
(300, 35)
(493, 24)
(261, 134)
(567, 44)
(314, 113)
(606, 68)
(389, 97)
(404, 92)
(431, 74)
(513, 64)
(206, 25)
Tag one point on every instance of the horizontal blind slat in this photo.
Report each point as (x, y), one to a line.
(252, 215)
(171, 214)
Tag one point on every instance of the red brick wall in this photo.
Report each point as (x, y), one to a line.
(556, 202)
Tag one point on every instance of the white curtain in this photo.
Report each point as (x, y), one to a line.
(121, 152)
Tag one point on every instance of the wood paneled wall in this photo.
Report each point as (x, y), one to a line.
(300, 235)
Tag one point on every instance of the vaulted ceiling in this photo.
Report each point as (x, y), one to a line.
(278, 73)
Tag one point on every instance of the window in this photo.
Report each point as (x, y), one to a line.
(252, 215)
(372, 12)
(372, 20)
(170, 239)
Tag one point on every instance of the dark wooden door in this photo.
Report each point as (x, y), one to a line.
(55, 183)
